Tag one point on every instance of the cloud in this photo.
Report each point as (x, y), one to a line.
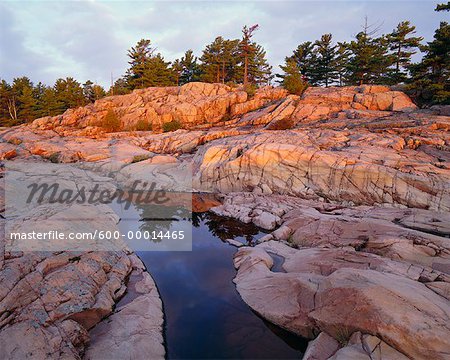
(89, 40)
(16, 59)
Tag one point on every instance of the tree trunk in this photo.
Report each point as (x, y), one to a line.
(245, 69)
(12, 109)
(223, 72)
(398, 58)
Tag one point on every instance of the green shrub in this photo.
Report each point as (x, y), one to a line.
(138, 158)
(143, 125)
(54, 157)
(111, 122)
(342, 334)
(294, 84)
(250, 89)
(172, 126)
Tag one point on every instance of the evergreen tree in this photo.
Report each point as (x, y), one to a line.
(22, 103)
(247, 48)
(403, 46)
(443, 7)
(341, 63)
(305, 59)
(139, 61)
(211, 60)
(431, 77)
(88, 91)
(158, 72)
(324, 72)
(147, 68)
(230, 67)
(191, 70)
(50, 105)
(68, 93)
(98, 92)
(369, 60)
(5, 97)
(177, 69)
(259, 70)
(120, 87)
(27, 105)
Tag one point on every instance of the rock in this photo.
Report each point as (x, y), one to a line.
(353, 352)
(282, 233)
(7, 151)
(135, 328)
(443, 110)
(233, 242)
(262, 97)
(313, 302)
(352, 182)
(294, 163)
(192, 104)
(266, 220)
(374, 347)
(322, 347)
(265, 292)
(53, 298)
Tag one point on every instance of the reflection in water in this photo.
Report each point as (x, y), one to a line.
(227, 228)
(205, 316)
(160, 218)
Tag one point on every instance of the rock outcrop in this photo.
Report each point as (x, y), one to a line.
(54, 303)
(352, 184)
(190, 105)
(337, 283)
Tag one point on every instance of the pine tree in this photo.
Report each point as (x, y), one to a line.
(220, 61)
(49, 104)
(191, 70)
(304, 57)
(431, 77)
(98, 92)
(211, 60)
(324, 72)
(259, 70)
(139, 61)
(68, 93)
(177, 69)
(158, 72)
(443, 7)
(341, 64)
(5, 97)
(247, 48)
(22, 104)
(403, 46)
(369, 60)
(88, 91)
(120, 87)
(27, 105)
(230, 68)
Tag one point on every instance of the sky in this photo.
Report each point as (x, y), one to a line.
(46, 40)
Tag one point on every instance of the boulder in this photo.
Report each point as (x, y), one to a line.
(345, 301)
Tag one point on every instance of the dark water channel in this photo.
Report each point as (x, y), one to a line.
(205, 318)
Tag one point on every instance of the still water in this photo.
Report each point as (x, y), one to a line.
(204, 314)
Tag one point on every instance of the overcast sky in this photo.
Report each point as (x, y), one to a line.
(89, 39)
